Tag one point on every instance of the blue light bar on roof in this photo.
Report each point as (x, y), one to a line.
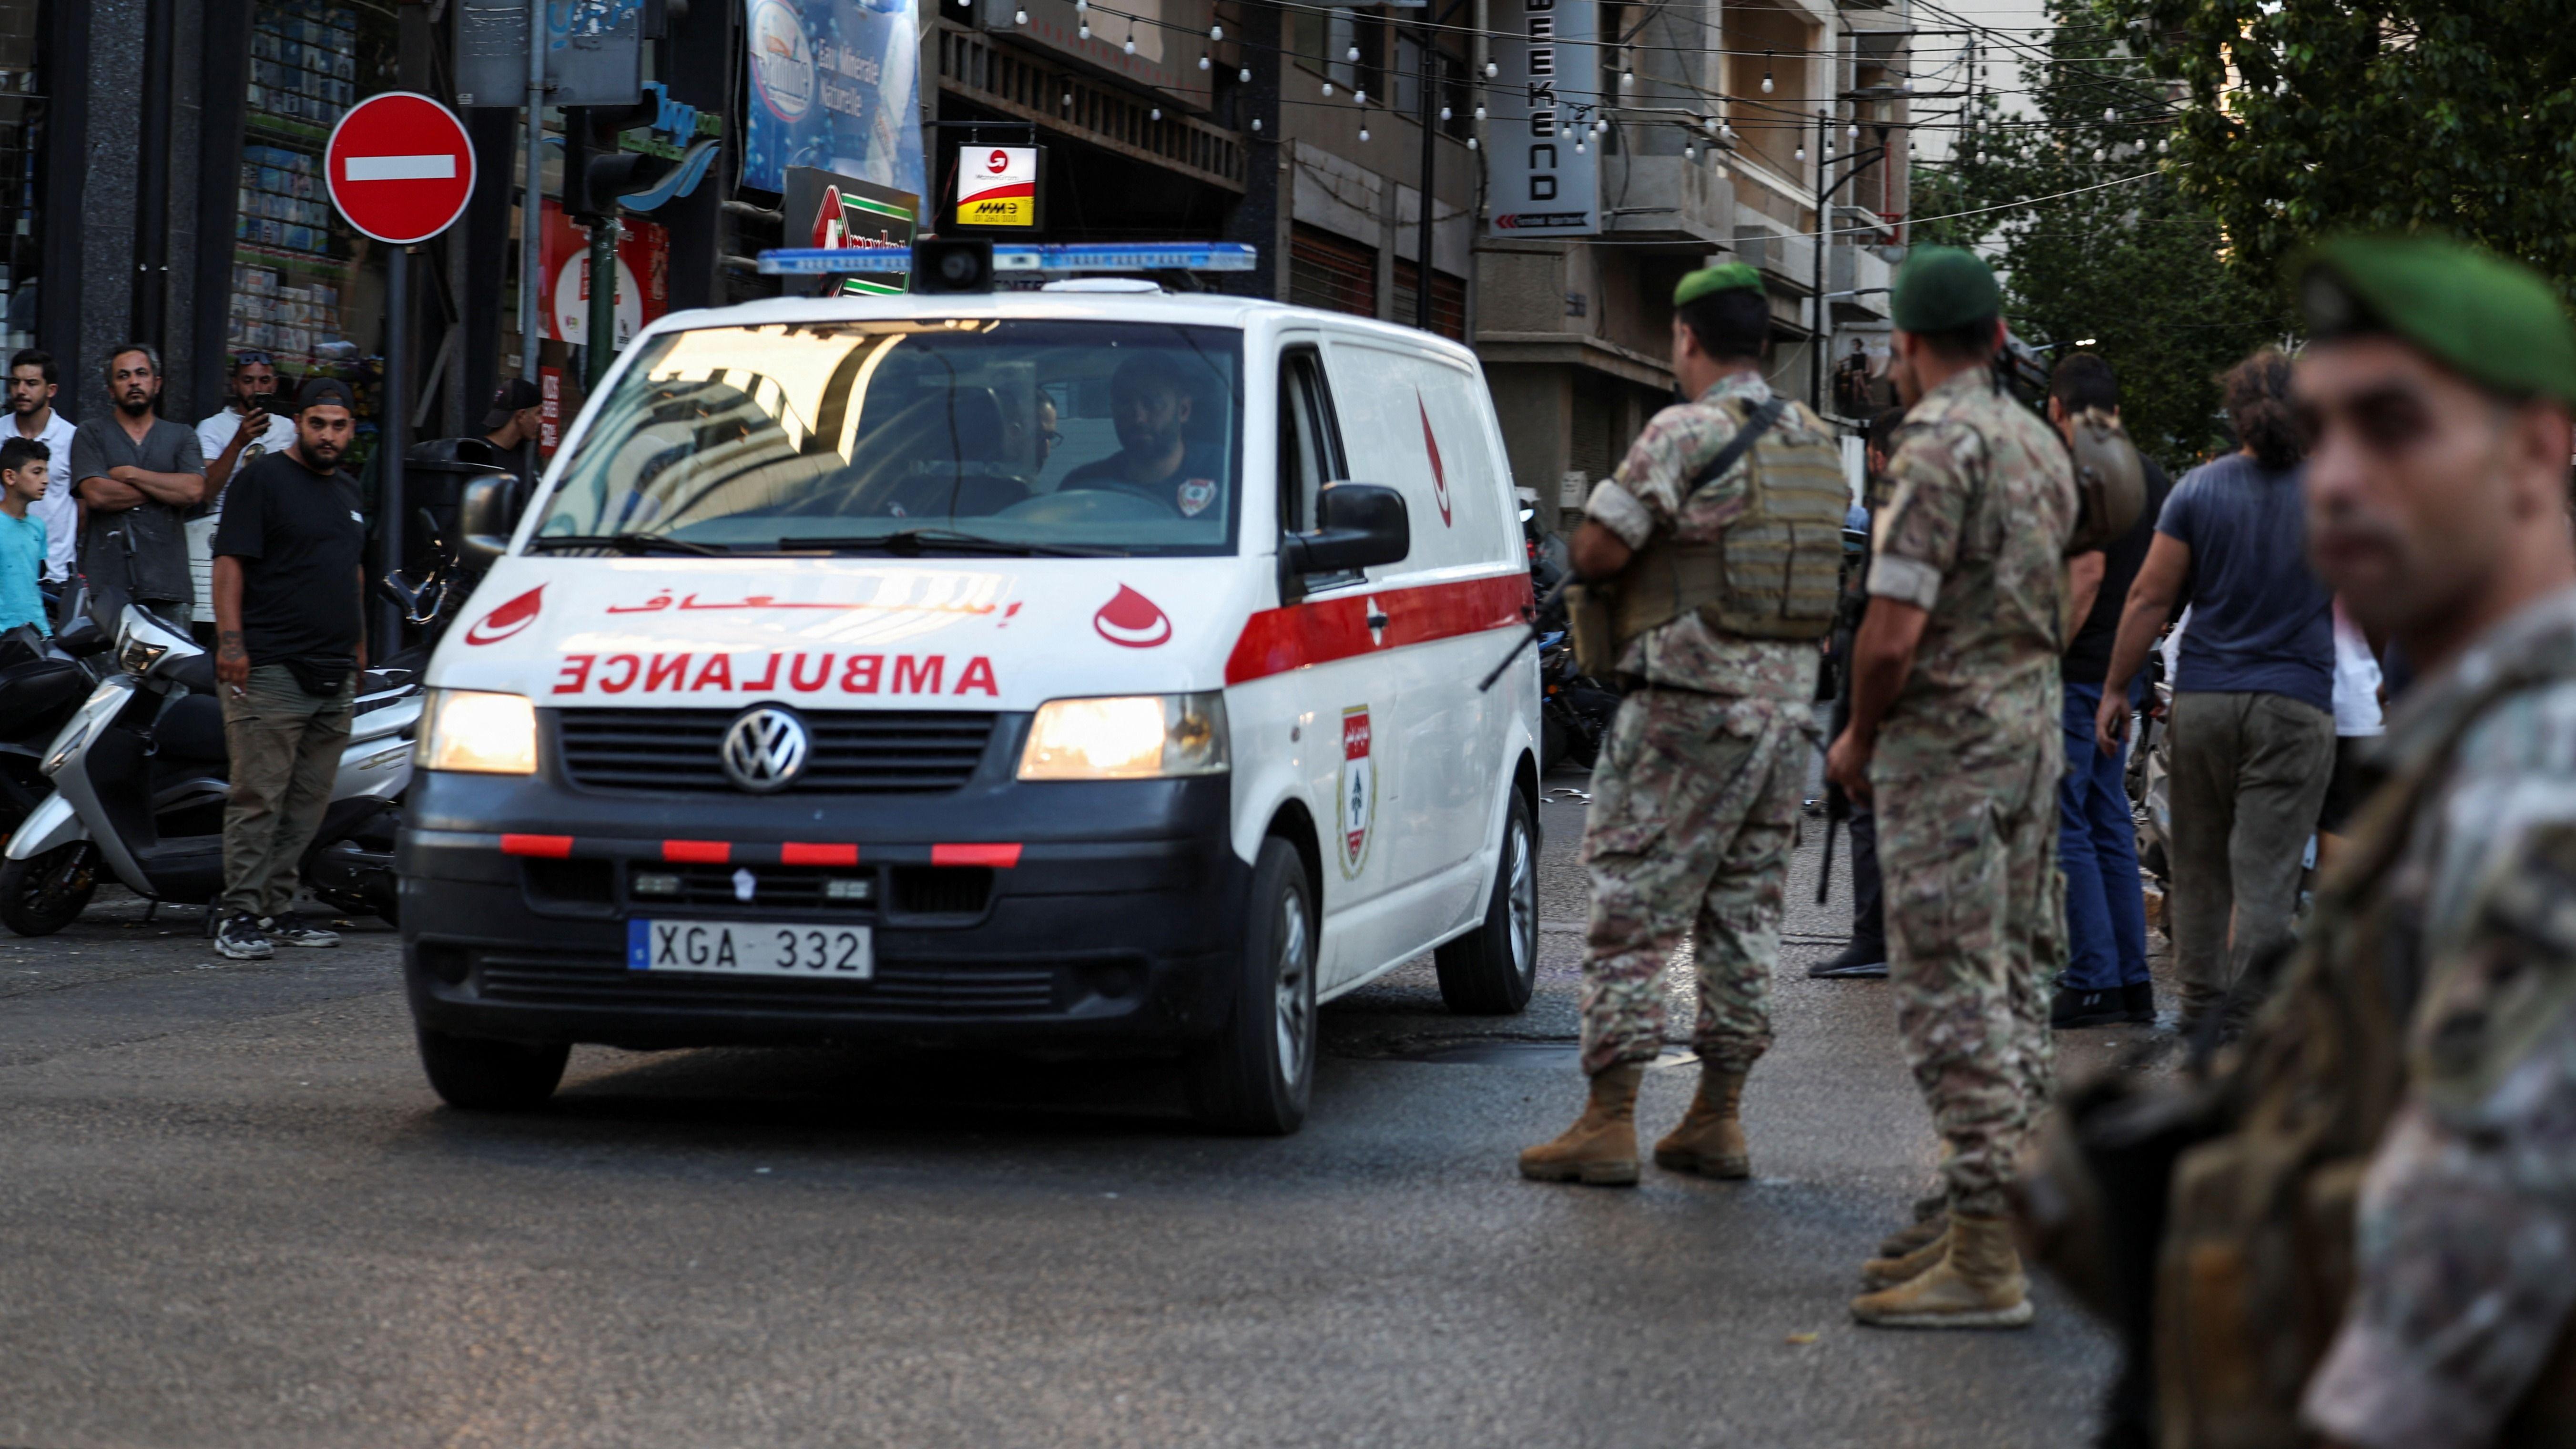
(1020, 257)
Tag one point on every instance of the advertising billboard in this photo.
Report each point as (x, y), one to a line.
(997, 186)
(835, 85)
(1542, 185)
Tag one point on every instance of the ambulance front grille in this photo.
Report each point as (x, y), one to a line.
(888, 752)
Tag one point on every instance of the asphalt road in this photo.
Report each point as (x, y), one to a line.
(232, 1213)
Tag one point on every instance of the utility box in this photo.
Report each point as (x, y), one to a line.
(594, 52)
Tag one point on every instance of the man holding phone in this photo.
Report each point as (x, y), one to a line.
(245, 430)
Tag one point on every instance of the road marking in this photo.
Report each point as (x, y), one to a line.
(401, 168)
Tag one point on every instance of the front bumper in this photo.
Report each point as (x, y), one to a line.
(1058, 916)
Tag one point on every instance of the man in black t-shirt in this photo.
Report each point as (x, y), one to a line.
(2097, 842)
(290, 584)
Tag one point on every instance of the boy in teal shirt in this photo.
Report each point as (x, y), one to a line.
(22, 538)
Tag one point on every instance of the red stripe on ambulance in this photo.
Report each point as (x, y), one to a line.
(1276, 641)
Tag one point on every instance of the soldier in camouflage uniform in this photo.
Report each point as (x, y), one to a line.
(2428, 1027)
(1695, 795)
(1955, 739)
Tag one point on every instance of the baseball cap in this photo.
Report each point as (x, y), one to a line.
(513, 396)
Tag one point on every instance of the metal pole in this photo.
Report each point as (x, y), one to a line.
(602, 332)
(1824, 237)
(532, 205)
(1430, 157)
(393, 417)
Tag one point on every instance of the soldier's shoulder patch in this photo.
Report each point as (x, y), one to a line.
(2507, 980)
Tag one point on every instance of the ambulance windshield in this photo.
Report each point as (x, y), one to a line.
(1111, 437)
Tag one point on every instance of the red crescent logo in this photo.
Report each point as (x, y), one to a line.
(1132, 620)
(1431, 445)
(508, 619)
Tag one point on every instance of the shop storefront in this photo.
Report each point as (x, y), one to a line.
(22, 118)
(307, 288)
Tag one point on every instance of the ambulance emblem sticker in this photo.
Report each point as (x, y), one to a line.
(508, 619)
(1358, 805)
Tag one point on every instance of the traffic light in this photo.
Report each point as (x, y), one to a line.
(596, 170)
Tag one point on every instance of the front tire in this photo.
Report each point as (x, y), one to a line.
(478, 1074)
(1492, 970)
(44, 893)
(1256, 1077)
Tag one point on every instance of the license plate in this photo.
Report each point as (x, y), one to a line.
(745, 948)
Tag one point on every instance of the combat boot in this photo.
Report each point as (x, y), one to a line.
(1913, 1236)
(1977, 1284)
(1710, 1140)
(1601, 1147)
(1931, 1220)
(1889, 1269)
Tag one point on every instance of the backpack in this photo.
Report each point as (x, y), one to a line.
(2110, 482)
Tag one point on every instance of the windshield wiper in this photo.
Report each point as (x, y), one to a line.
(627, 543)
(916, 540)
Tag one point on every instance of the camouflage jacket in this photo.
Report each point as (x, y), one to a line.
(1646, 497)
(2465, 1258)
(1974, 532)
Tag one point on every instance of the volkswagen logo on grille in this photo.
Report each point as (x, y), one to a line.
(766, 749)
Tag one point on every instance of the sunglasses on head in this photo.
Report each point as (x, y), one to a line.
(252, 359)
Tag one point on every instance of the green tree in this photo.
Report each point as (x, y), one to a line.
(2307, 116)
(2097, 240)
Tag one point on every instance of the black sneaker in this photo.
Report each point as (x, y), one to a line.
(240, 940)
(1855, 961)
(2075, 1008)
(292, 929)
(2140, 999)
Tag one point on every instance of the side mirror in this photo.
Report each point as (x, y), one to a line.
(84, 638)
(485, 517)
(1357, 526)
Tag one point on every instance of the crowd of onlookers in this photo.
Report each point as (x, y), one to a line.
(2273, 691)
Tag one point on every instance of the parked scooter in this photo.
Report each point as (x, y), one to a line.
(42, 684)
(139, 785)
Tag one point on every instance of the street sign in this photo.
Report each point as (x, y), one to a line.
(399, 167)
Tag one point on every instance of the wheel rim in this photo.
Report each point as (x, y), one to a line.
(59, 881)
(1293, 1010)
(1521, 901)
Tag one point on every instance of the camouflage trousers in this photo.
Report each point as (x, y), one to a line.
(1976, 936)
(1694, 809)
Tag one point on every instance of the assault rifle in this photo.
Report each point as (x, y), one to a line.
(1838, 809)
(1531, 636)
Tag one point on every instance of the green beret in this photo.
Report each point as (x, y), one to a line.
(1943, 288)
(1708, 281)
(2492, 320)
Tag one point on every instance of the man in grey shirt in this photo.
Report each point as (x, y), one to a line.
(140, 475)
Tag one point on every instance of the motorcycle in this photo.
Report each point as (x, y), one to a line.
(1574, 708)
(42, 683)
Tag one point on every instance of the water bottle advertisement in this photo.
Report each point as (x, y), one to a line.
(835, 85)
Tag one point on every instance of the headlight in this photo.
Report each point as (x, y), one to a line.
(487, 734)
(140, 654)
(1135, 737)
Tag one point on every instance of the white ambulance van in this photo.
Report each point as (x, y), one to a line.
(1089, 669)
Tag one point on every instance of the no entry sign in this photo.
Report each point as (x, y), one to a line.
(400, 167)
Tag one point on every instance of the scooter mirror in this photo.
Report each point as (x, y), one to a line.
(485, 518)
(84, 638)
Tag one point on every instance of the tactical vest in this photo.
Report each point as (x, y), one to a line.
(1776, 571)
(2257, 1266)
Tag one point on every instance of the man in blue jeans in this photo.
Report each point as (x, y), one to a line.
(2097, 845)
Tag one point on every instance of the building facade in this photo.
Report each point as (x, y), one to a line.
(163, 159)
